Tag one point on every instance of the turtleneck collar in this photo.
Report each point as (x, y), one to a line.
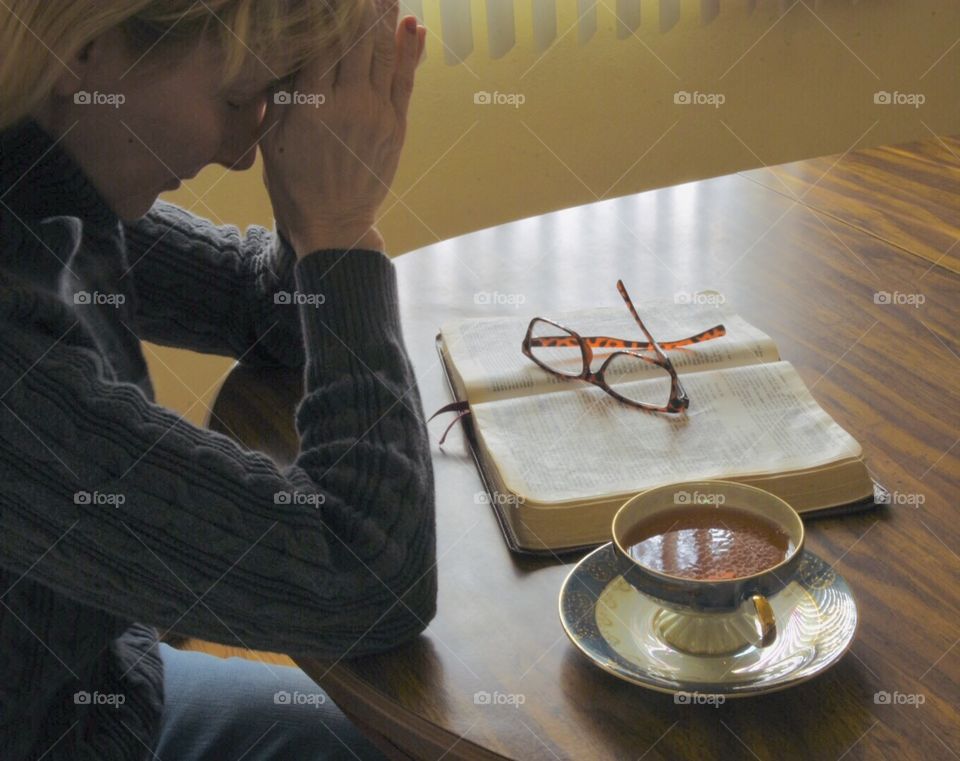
(39, 179)
(60, 236)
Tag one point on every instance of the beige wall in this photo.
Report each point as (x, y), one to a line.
(600, 121)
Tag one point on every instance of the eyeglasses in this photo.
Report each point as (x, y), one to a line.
(547, 343)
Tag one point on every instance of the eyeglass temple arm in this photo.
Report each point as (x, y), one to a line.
(623, 292)
(609, 342)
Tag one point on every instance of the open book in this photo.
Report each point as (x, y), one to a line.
(559, 457)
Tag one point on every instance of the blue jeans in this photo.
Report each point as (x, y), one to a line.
(232, 708)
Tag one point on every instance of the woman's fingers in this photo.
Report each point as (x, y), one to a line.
(385, 46)
(319, 75)
(411, 45)
(355, 58)
(331, 167)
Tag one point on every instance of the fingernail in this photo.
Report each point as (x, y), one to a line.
(410, 23)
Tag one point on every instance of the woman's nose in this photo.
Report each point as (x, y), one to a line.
(244, 162)
(241, 136)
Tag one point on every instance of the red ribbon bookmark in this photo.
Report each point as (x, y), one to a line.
(461, 408)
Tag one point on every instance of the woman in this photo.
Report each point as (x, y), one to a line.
(119, 519)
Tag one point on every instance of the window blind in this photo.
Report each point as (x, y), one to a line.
(454, 21)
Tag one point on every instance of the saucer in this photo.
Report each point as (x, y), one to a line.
(614, 625)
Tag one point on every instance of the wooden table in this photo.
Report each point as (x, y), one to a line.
(906, 195)
(886, 372)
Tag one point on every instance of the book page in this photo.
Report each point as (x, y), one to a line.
(584, 444)
(486, 352)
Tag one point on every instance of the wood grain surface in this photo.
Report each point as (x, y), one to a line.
(885, 371)
(907, 195)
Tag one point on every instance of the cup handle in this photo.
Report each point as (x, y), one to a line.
(768, 624)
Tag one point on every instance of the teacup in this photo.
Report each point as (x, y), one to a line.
(711, 616)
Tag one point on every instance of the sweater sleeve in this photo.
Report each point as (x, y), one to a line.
(208, 288)
(122, 505)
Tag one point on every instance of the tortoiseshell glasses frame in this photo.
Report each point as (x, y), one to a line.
(678, 401)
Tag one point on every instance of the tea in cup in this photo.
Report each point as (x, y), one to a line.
(712, 553)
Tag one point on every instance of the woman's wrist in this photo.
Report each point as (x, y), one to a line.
(347, 238)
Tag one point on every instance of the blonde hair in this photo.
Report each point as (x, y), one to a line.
(37, 36)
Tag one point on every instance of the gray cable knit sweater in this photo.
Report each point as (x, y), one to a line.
(118, 518)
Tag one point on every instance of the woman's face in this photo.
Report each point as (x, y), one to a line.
(136, 129)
